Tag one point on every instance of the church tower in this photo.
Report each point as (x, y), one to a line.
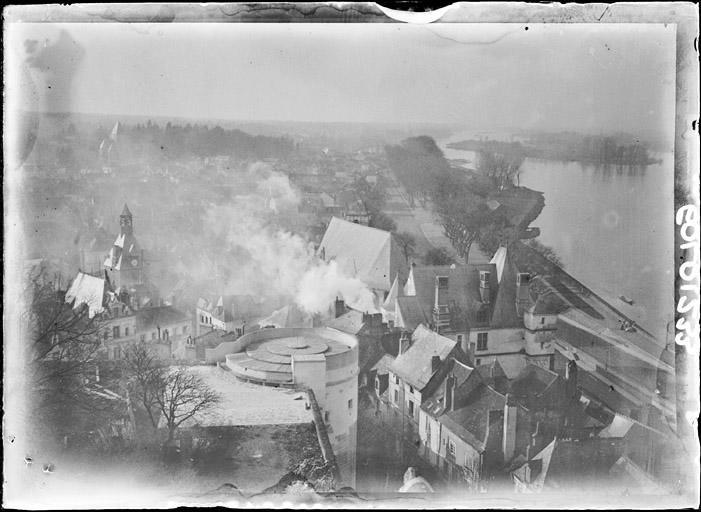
(126, 222)
(124, 263)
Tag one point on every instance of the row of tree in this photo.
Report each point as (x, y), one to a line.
(177, 141)
(463, 200)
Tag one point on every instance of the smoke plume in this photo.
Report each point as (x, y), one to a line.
(248, 252)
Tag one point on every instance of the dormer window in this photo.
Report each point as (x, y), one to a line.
(523, 279)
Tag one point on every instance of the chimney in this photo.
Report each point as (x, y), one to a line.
(435, 363)
(339, 307)
(441, 311)
(404, 343)
(449, 394)
(484, 286)
(523, 281)
(441, 298)
(571, 380)
(509, 437)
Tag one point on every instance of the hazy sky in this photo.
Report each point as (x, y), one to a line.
(601, 77)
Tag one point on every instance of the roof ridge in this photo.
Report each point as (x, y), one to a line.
(360, 225)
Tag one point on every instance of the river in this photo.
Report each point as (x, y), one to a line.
(613, 230)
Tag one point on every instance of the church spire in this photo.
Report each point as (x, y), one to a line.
(126, 221)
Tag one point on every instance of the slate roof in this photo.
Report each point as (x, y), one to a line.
(414, 365)
(372, 255)
(435, 404)
(125, 247)
(570, 461)
(504, 312)
(409, 313)
(383, 366)
(350, 322)
(464, 296)
(470, 422)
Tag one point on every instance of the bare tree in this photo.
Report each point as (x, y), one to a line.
(180, 396)
(63, 343)
(145, 375)
(501, 168)
(408, 244)
(463, 221)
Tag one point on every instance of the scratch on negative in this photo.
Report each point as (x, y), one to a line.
(605, 11)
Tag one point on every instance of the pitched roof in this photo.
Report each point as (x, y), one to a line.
(125, 246)
(370, 254)
(125, 210)
(470, 423)
(383, 366)
(563, 461)
(409, 314)
(414, 365)
(89, 290)
(350, 322)
(504, 313)
(435, 404)
(463, 293)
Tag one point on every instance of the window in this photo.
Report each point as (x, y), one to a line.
(411, 389)
(482, 341)
(142, 338)
(451, 449)
(126, 331)
(326, 416)
(105, 334)
(478, 361)
(482, 316)
(411, 408)
(115, 331)
(350, 404)
(396, 396)
(542, 320)
(459, 338)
